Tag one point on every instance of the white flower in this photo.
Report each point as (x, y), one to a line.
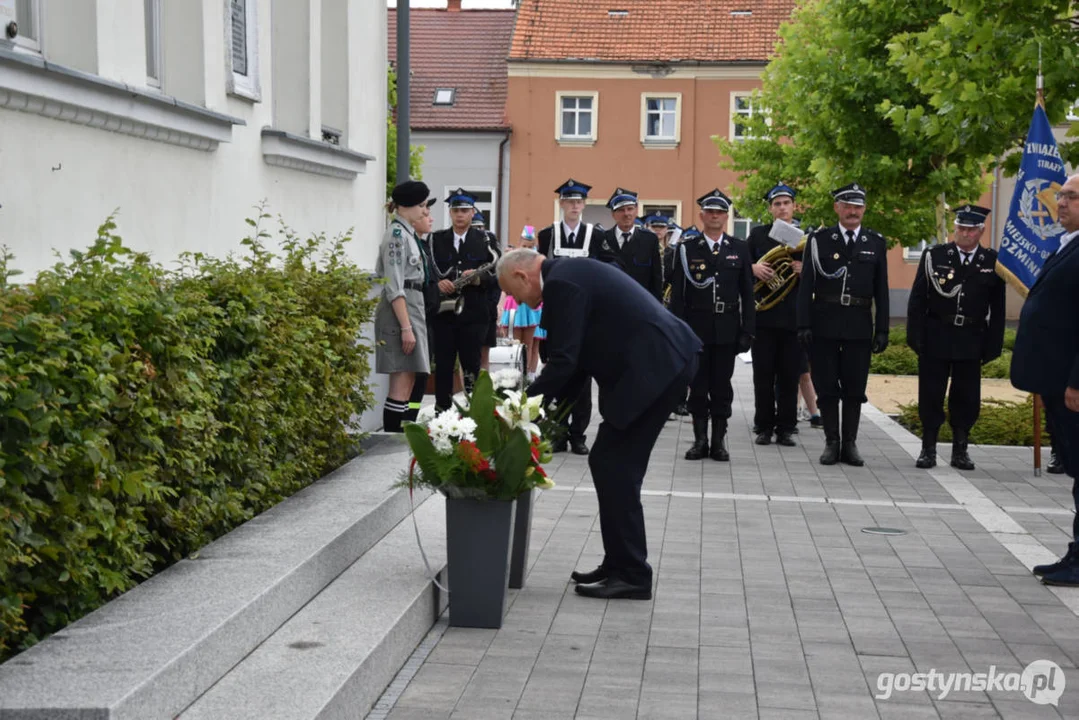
(426, 414)
(507, 379)
(520, 411)
(442, 444)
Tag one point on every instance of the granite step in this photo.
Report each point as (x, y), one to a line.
(156, 649)
(334, 657)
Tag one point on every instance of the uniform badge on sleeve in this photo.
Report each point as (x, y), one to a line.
(397, 232)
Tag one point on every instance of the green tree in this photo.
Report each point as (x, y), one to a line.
(853, 95)
(415, 153)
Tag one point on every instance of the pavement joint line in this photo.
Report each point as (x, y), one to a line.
(386, 702)
(1023, 546)
(1036, 510)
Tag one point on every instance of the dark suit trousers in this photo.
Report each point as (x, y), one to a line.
(618, 461)
(580, 413)
(1065, 429)
(964, 397)
(455, 339)
(776, 360)
(711, 392)
(840, 370)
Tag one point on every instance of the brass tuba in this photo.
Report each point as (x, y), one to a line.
(769, 293)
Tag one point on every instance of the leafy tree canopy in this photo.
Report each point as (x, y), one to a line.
(917, 100)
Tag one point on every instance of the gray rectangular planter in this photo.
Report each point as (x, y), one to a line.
(522, 530)
(478, 543)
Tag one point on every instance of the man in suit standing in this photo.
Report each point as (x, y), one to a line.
(571, 238)
(776, 353)
(457, 253)
(629, 245)
(955, 323)
(844, 276)
(1045, 360)
(712, 290)
(601, 324)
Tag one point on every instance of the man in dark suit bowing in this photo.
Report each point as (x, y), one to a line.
(458, 252)
(601, 324)
(630, 246)
(1045, 360)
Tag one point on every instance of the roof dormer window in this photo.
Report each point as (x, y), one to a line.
(445, 96)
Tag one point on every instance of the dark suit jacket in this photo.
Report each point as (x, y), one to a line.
(639, 257)
(602, 324)
(1046, 355)
(867, 267)
(450, 263)
(982, 300)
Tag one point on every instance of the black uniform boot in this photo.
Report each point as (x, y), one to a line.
(681, 409)
(830, 421)
(699, 449)
(852, 414)
(960, 459)
(719, 441)
(928, 457)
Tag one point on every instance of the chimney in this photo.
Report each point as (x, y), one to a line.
(453, 5)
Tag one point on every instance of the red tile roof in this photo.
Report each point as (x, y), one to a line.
(668, 31)
(465, 50)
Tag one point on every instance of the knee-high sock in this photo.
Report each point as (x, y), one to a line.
(416, 400)
(392, 414)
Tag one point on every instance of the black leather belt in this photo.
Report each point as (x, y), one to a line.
(413, 285)
(724, 306)
(846, 300)
(960, 320)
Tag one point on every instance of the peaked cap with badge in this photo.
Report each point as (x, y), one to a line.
(715, 200)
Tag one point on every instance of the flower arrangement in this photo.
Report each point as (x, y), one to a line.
(489, 446)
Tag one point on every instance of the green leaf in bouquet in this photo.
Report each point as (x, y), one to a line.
(482, 410)
(426, 456)
(511, 462)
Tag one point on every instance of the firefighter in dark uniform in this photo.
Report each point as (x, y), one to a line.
(457, 253)
(712, 290)
(955, 323)
(776, 353)
(630, 245)
(844, 275)
(670, 273)
(480, 223)
(571, 238)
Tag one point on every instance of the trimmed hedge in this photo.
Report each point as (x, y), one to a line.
(1001, 422)
(147, 411)
(899, 359)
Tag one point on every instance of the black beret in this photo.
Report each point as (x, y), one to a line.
(410, 193)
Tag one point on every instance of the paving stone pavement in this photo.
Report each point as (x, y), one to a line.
(769, 600)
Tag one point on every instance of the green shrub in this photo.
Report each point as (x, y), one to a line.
(998, 368)
(895, 360)
(1001, 422)
(148, 411)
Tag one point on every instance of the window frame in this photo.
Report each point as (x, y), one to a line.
(735, 113)
(660, 141)
(649, 206)
(22, 42)
(244, 86)
(589, 139)
(913, 253)
(734, 220)
(158, 36)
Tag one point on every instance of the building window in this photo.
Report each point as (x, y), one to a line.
(241, 33)
(28, 17)
(660, 119)
(154, 55)
(740, 226)
(914, 252)
(445, 96)
(577, 117)
(742, 110)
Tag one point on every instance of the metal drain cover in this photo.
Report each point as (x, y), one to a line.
(883, 531)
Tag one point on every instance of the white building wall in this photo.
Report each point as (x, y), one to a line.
(468, 160)
(61, 179)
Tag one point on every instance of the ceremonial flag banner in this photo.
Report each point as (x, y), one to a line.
(1032, 231)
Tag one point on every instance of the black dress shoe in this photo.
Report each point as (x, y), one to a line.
(785, 439)
(587, 578)
(927, 459)
(615, 589)
(830, 456)
(681, 409)
(578, 447)
(850, 455)
(764, 438)
(1070, 558)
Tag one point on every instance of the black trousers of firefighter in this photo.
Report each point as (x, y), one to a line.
(777, 359)
(840, 370)
(711, 392)
(964, 397)
(453, 340)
